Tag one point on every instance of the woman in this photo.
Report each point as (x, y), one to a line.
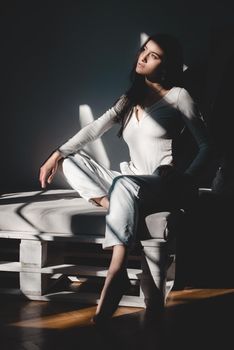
(153, 113)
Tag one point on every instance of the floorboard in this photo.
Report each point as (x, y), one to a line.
(192, 319)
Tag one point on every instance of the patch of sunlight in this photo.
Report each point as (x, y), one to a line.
(191, 295)
(70, 319)
(96, 149)
(143, 38)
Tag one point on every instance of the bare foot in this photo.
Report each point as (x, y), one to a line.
(102, 201)
(105, 202)
(113, 290)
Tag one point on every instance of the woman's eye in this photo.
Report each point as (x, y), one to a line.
(154, 57)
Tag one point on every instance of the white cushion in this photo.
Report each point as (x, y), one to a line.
(63, 213)
(51, 211)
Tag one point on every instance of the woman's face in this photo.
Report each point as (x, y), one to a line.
(150, 60)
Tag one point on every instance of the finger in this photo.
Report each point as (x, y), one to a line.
(50, 178)
(43, 183)
(42, 179)
(40, 176)
(52, 174)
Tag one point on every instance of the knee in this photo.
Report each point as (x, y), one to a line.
(65, 164)
(119, 180)
(126, 184)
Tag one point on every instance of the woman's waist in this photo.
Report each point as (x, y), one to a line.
(131, 168)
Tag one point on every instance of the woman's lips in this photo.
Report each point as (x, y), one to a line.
(140, 65)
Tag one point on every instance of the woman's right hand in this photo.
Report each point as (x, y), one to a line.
(49, 169)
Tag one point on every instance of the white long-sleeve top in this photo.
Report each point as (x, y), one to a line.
(150, 139)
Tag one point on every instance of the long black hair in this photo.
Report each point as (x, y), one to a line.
(171, 71)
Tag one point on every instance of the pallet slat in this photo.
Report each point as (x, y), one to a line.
(66, 269)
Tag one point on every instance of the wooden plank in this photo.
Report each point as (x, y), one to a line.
(66, 269)
(98, 255)
(84, 238)
(10, 266)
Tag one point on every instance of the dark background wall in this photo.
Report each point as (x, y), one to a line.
(56, 55)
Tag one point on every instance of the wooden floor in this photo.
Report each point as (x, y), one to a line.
(193, 319)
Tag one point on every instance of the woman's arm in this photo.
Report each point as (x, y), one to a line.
(89, 133)
(197, 127)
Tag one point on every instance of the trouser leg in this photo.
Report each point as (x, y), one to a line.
(122, 217)
(87, 177)
(132, 197)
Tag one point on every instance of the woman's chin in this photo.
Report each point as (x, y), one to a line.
(139, 71)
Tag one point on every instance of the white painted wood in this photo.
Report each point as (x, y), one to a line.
(86, 238)
(171, 271)
(66, 269)
(33, 253)
(156, 280)
(33, 283)
(155, 264)
(10, 266)
(153, 242)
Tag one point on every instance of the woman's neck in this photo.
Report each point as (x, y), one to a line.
(153, 87)
(155, 91)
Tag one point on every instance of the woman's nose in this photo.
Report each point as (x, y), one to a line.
(144, 57)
